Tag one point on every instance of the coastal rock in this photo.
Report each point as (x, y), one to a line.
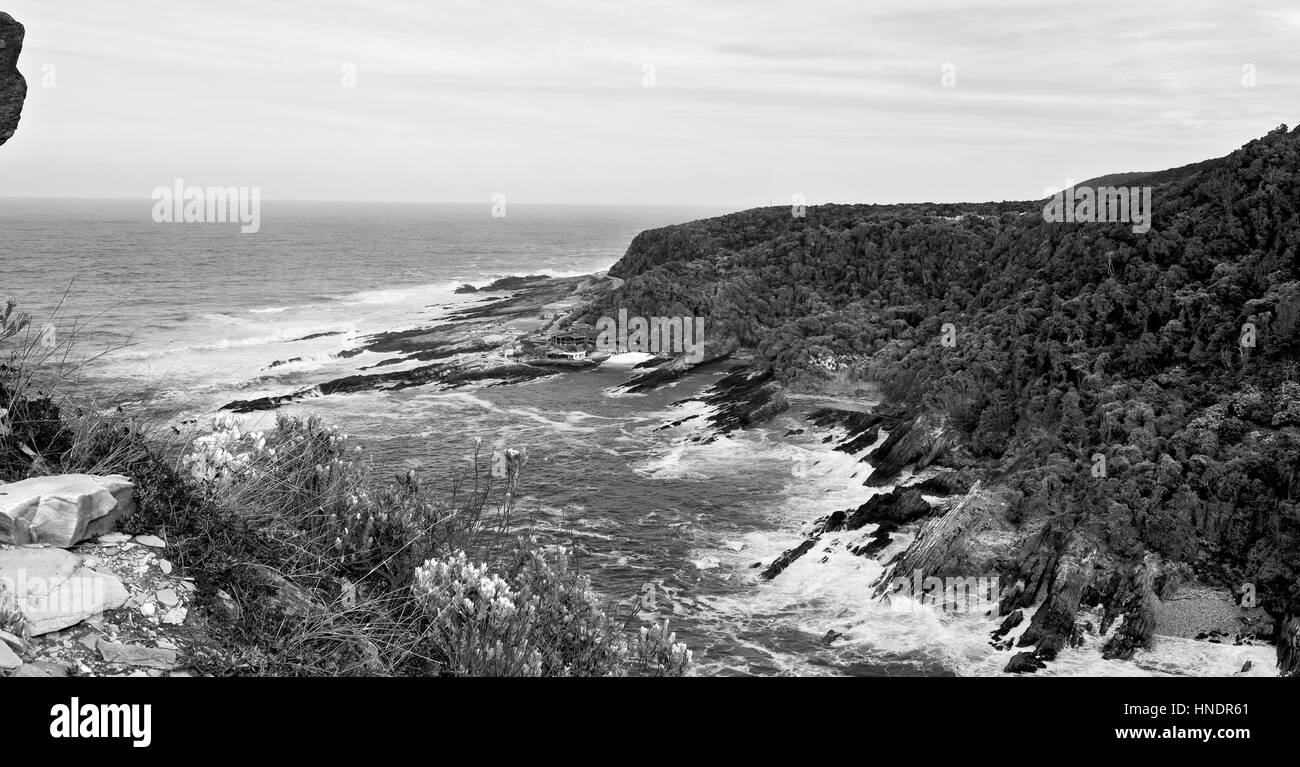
(877, 541)
(54, 589)
(1024, 663)
(921, 441)
(897, 507)
(673, 371)
(787, 559)
(1009, 624)
(1288, 646)
(743, 398)
(513, 282)
(942, 538)
(1053, 628)
(13, 87)
(62, 510)
(862, 427)
(1140, 607)
(945, 483)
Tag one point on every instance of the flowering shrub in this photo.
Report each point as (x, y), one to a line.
(542, 621)
(224, 454)
(12, 619)
(305, 479)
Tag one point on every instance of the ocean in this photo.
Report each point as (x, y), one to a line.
(196, 315)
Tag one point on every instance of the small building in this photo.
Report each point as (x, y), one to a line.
(579, 337)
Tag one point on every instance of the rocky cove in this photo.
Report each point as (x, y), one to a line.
(925, 514)
(888, 396)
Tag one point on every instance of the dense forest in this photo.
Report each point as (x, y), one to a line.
(1135, 395)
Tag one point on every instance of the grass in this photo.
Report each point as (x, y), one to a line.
(306, 562)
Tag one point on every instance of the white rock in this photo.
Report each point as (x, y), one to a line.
(64, 509)
(168, 597)
(165, 566)
(9, 659)
(114, 538)
(175, 616)
(136, 655)
(54, 589)
(12, 640)
(152, 541)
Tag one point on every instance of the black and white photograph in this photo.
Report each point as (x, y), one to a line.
(680, 339)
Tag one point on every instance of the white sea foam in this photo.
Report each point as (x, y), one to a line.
(628, 359)
(830, 588)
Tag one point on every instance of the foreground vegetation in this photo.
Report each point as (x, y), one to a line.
(307, 563)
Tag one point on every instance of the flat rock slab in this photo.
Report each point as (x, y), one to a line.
(62, 510)
(42, 669)
(8, 658)
(136, 655)
(55, 589)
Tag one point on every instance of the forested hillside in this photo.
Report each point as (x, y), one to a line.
(1136, 395)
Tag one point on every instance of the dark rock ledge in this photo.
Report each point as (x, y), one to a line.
(13, 87)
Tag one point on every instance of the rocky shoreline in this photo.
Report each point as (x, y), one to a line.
(471, 344)
(956, 525)
(928, 490)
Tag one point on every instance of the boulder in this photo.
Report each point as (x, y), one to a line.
(13, 88)
(55, 589)
(787, 559)
(1024, 663)
(62, 510)
(8, 658)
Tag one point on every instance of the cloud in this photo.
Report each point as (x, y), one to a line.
(840, 100)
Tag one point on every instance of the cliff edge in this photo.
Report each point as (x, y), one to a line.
(13, 88)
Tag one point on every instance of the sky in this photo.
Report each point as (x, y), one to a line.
(733, 103)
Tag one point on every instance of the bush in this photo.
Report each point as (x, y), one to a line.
(541, 621)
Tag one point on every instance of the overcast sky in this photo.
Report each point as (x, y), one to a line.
(456, 100)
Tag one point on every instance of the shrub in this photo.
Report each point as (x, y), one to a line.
(543, 620)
